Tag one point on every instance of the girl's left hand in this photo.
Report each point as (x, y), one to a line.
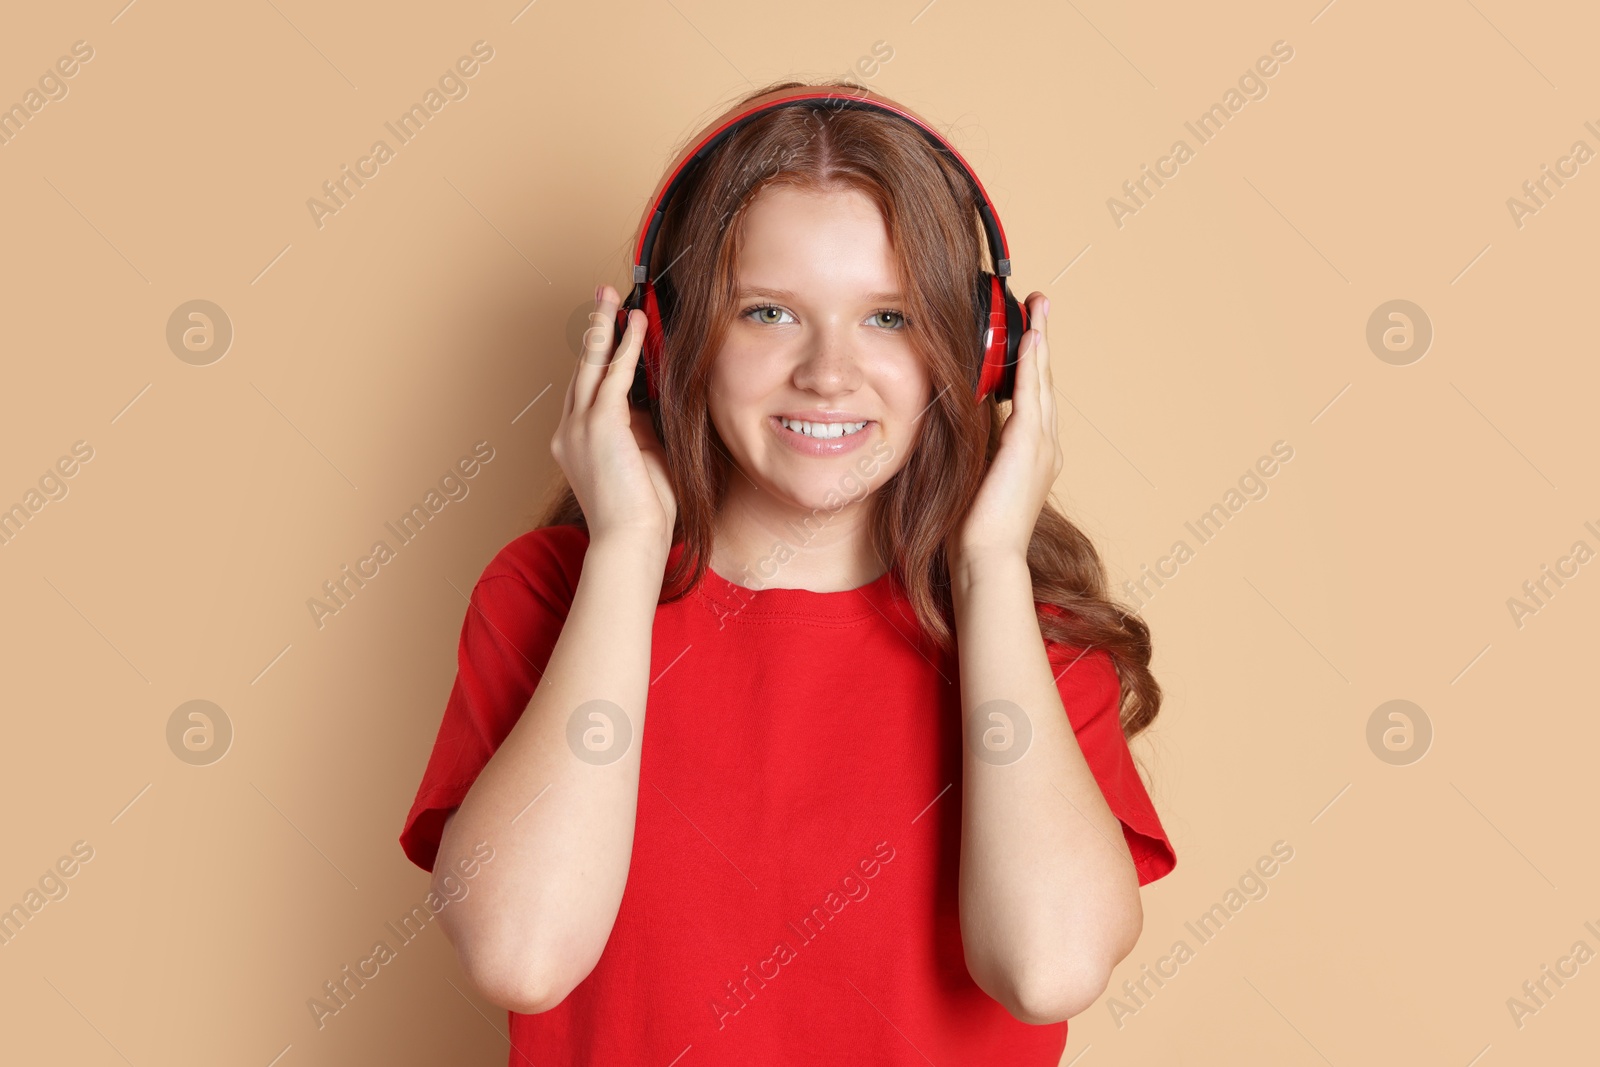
(1013, 492)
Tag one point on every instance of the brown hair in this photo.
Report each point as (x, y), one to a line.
(933, 228)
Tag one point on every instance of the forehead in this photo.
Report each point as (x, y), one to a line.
(835, 238)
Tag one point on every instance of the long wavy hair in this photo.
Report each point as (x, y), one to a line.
(936, 238)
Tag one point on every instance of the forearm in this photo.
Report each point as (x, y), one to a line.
(561, 826)
(1049, 899)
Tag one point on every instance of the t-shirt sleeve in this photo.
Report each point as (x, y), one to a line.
(1091, 694)
(513, 619)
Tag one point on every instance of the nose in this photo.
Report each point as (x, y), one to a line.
(830, 363)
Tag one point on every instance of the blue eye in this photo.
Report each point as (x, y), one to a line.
(758, 311)
(897, 319)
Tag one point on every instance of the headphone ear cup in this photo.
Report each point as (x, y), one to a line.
(1016, 316)
(994, 337)
(645, 373)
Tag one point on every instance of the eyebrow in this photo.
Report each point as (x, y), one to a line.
(785, 294)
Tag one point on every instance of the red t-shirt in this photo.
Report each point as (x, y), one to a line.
(792, 892)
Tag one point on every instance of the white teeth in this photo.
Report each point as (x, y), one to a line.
(823, 429)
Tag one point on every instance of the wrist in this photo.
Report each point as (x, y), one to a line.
(631, 549)
(970, 566)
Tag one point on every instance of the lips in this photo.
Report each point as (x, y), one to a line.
(806, 445)
(824, 415)
(824, 430)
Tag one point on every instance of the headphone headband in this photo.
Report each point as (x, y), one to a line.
(857, 99)
(1002, 320)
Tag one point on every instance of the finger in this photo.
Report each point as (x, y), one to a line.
(1042, 379)
(1041, 315)
(1025, 387)
(1040, 312)
(619, 375)
(566, 403)
(595, 352)
(1030, 337)
(1038, 408)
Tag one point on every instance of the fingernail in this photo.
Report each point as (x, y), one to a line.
(1047, 305)
(599, 292)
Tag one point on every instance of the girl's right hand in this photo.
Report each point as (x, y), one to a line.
(607, 448)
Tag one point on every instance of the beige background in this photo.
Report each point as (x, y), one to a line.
(1229, 313)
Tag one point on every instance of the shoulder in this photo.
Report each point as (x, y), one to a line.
(542, 564)
(1088, 666)
(1090, 673)
(540, 555)
(1091, 689)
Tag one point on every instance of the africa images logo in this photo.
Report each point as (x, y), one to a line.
(453, 485)
(452, 86)
(735, 997)
(340, 990)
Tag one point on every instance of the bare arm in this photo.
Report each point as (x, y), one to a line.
(539, 915)
(560, 816)
(1048, 897)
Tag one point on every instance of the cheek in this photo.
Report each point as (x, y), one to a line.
(739, 374)
(738, 389)
(906, 390)
(902, 441)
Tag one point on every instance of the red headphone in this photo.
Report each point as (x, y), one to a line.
(1001, 319)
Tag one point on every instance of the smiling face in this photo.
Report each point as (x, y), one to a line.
(818, 337)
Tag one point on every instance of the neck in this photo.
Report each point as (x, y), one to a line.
(764, 543)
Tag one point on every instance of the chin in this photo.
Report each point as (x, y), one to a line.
(820, 484)
(824, 495)
(841, 501)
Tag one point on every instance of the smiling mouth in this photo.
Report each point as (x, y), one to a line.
(823, 431)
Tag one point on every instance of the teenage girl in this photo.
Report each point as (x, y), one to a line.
(797, 730)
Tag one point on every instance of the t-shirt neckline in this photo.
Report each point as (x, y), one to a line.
(730, 598)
